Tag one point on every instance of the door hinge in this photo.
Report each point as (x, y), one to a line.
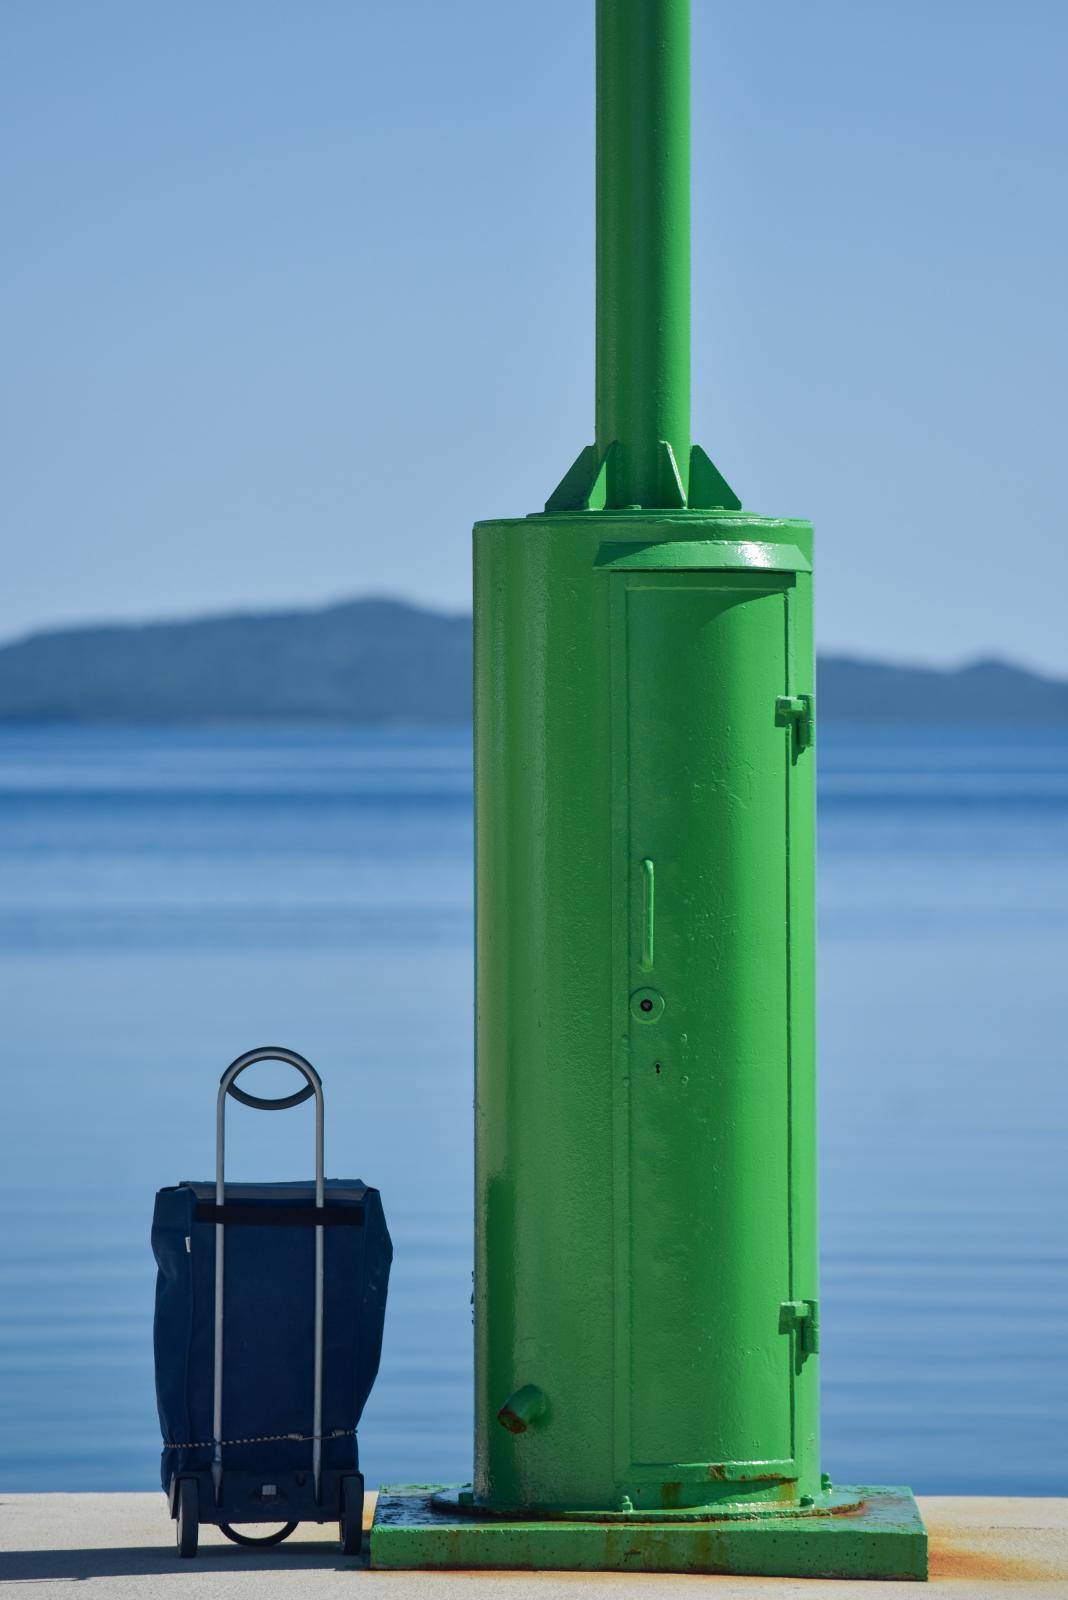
(804, 1315)
(795, 710)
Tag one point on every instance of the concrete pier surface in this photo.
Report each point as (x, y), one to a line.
(122, 1546)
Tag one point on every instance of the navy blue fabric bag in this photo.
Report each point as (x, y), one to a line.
(269, 1326)
(264, 1466)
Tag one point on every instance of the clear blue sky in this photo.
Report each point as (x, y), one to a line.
(292, 293)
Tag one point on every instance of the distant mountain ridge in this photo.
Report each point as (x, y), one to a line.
(984, 691)
(372, 660)
(358, 661)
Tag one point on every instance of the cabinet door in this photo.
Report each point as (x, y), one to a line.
(703, 858)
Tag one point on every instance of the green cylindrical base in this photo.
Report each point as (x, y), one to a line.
(645, 1121)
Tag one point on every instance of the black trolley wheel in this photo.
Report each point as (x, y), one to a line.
(350, 1522)
(187, 1518)
(263, 1540)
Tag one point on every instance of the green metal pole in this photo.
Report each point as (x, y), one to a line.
(646, 1306)
(643, 243)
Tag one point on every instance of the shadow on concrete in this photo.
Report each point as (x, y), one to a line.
(142, 1561)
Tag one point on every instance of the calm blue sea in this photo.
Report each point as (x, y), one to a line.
(168, 899)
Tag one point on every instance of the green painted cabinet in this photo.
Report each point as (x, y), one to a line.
(644, 1077)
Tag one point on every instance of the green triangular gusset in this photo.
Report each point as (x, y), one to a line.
(582, 487)
(672, 492)
(709, 489)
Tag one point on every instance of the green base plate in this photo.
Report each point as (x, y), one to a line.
(883, 1538)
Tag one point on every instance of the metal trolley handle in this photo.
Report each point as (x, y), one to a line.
(227, 1085)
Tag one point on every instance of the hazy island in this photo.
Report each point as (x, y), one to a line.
(374, 660)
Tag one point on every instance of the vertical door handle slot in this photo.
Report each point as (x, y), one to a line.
(648, 913)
